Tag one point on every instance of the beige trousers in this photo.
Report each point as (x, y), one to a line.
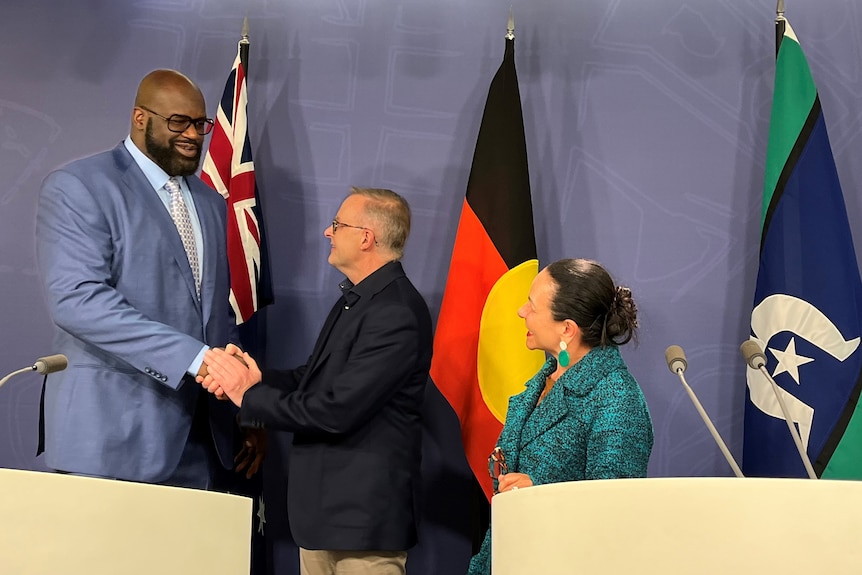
(352, 562)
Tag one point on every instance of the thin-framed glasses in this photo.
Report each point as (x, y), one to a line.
(336, 224)
(497, 465)
(179, 123)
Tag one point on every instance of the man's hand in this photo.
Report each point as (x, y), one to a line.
(230, 371)
(254, 447)
(201, 376)
(203, 372)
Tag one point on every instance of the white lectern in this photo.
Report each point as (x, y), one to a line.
(63, 524)
(680, 525)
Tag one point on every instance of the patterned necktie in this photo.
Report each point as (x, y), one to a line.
(180, 215)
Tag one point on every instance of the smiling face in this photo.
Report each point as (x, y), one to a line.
(166, 93)
(176, 154)
(347, 242)
(543, 331)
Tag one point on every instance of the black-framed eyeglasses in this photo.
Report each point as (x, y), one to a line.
(336, 224)
(179, 123)
(497, 465)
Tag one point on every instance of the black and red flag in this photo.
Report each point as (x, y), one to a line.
(480, 358)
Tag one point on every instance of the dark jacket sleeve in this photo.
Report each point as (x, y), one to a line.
(360, 377)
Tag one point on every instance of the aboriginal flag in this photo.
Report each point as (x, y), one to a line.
(480, 358)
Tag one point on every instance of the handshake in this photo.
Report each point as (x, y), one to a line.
(230, 372)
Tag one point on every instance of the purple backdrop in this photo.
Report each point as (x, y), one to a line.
(646, 130)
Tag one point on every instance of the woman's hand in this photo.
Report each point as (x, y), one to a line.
(512, 481)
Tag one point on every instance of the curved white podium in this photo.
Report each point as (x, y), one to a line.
(679, 525)
(52, 524)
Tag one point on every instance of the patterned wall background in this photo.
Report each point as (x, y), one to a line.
(646, 129)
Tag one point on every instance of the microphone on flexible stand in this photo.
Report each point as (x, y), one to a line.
(676, 363)
(755, 359)
(46, 365)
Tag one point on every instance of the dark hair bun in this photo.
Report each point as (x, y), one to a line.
(586, 294)
(622, 318)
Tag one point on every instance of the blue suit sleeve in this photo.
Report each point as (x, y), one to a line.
(77, 253)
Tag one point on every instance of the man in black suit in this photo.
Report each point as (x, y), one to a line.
(355, 406)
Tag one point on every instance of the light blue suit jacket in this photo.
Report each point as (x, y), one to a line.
(122, 295)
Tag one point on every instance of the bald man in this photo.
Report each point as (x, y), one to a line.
(132, 253)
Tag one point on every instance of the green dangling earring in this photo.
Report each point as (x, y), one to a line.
(563, 358)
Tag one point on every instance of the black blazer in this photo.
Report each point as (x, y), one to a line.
(355, 411)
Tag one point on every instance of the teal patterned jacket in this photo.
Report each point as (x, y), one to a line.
(593, 424)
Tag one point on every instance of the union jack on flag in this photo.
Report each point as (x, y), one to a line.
(228, 168)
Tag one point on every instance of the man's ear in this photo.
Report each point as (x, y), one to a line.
(138, 118)
(368, 239)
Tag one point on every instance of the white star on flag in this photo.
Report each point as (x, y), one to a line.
(261, 514)
(789, 360)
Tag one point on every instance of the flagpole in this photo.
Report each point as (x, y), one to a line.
(780, 25)
(243, 46)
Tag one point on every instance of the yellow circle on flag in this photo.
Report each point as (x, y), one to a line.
(504, 364)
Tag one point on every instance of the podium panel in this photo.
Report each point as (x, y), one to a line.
(679, 525)
(52, 523)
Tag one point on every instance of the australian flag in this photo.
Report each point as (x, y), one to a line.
(228, 168)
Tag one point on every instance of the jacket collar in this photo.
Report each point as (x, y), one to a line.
(374, 283)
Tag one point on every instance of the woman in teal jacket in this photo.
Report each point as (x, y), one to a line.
(583, 416)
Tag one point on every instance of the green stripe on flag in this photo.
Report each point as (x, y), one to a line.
(846, 462)
(792, 100)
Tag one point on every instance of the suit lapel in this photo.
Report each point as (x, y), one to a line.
(520, 408)
(526, 421)
(212, 251)
(136, 183)
(549, 413)
(351, 296)
(321, 347)
(579, 380)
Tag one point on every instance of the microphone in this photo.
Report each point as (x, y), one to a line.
(675, 358)
(676, 363)
(46, 365)
(50, 363)
(756, 359)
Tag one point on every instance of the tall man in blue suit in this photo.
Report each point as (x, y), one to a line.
(132, 251)
(354, 408)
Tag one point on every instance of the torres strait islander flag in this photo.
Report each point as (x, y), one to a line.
(228, 168)
(808, 301)
(480, 357)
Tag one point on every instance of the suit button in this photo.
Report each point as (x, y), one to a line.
(148, 370)
(164, 378)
